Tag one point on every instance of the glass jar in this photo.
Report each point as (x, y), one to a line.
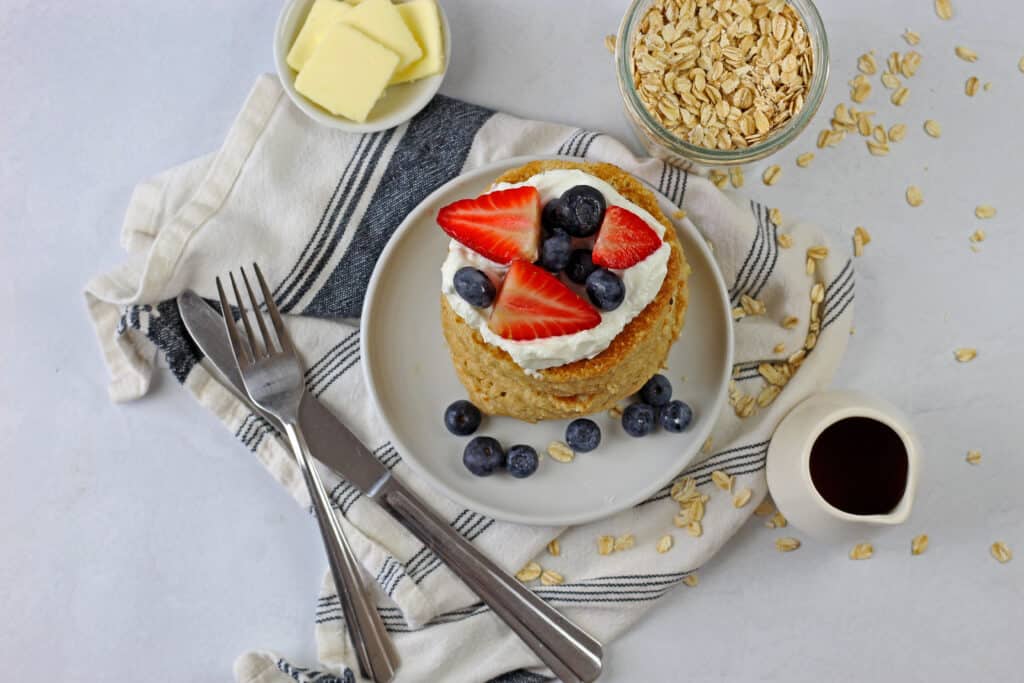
(663, 144)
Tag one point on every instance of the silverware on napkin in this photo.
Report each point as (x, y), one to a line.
(565, 648)
(273, 379)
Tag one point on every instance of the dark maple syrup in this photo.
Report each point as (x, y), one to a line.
(859, 466)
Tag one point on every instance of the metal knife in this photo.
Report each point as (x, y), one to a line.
(570, 652)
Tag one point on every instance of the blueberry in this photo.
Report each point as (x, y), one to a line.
(657, 391)
(605, 289)
(462, 418)
(583, 435)
(483, 456)
(522, 461)
(555, 251)
(473, 286)
(581, 265)
(675, 416)
(638, 419)
(586, 206)
(555, 216)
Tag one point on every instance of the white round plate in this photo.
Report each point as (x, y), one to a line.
(411, 379)
(399, 103)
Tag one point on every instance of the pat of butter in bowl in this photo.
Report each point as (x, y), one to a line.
(348, 53)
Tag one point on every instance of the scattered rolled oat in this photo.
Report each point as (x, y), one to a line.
(899, 96)
(678, 214)
(861, 237)
(897, 132)
(752, 306)
(911, 37)
(743, 497)
(971, 86)
(775, 216)
(771, 175)
(984, 211)
(615, 412)
(1020, 65)
(944, 8)
(706, 448)
(965, 355)
(778, 521)
(786, 544)
(695, 529)
(966, 53)
(736, 176)
(625, 542)
(910, 63)
(719, 178)
(867, 64)
(919, 544)
(722, 76)
(779, 348)
(560, 452)
(987, 86)
(877, 149)
(933, 128)
(977, 236)
(818, 252)
(609, 43)
(528, 573)
(1001, 552)
(765, 508)
(785, 240)
(862, 551)
(804, 160)
(691, 580)
(605, 545)
(549, 577)
(914, 196)
(817, 293)
(722, 480)
(974, 457)
(790, 321)
(554, 548)
(890, 80)
(664, 544)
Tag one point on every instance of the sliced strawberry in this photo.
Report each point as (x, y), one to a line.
(625, 239)
(533, 304)
(502, 226)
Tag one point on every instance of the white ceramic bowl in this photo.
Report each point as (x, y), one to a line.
(399, 103)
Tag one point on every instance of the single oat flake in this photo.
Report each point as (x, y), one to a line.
(691, 580)
(1001, 552)
(785, 240)
(971, 86)
(867, 64)
(771, 175)
(974, 457)
(786, 544)
(766, 508)
(722, 480)
(862, 551)
(625, 542)
(695, 529)
(609, 43)
(897, 132)
(528, 573)
(912, 37)
(775, 216)
(736, 176)
(790, 321)
(778, 521)
(549, 577)
(743, 497)
(560, 452)
(977, 236)
(944, 8)
(861, 237)
(899, 96)
(804, 160)
(605, 545)
(664, 544)
(554, 548)
(933, 128)
(914, 196)
(919, 544)
(965, 355)
(966, 53)
(984, 211)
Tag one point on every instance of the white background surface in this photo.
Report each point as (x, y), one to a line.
(141, 539)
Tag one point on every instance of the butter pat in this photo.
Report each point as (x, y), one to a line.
(380, 20)
(423, 19)
(322, 16)
(347, 72)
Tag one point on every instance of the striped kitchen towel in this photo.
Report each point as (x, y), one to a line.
(315, 207)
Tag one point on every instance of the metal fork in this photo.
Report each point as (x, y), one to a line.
(273, 378)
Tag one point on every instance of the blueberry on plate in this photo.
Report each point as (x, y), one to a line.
(483, 456)
(605, 289)
(586, 206)
(581, 265)
(675, 416)
(555, 251)
(474, 286)
(638, 419)
(462, 418)
(657, 391)
(583, 435)
(555, 216)
(521, 461)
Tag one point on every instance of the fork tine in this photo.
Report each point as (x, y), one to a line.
(229, 325)
(253, 346)
(267, 342)
(282, 334)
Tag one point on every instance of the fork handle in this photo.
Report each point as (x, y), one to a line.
(374, 650)
(570, 652)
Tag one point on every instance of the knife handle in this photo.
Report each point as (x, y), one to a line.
(569, 651)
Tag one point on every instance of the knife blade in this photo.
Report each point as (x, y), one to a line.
(330, 441)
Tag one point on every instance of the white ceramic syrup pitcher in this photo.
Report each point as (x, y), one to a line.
(789, 465)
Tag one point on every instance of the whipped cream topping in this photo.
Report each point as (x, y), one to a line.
(642, 281)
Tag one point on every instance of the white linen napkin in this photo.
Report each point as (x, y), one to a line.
(314, 207)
